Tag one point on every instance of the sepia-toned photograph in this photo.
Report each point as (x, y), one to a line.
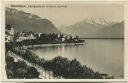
(64, 41)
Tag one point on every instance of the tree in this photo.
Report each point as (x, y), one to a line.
(20, 73)
(32, 72)
(9, 59)
(47, 66)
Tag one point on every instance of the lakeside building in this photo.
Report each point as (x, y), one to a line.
(9, 33)
(24, 36)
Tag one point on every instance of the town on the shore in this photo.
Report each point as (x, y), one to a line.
(22, 63)
(31, 38)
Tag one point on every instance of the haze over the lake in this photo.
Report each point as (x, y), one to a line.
(74, 13)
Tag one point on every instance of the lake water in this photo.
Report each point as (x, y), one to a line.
(103, 55)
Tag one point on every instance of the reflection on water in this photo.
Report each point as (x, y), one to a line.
(103, 55)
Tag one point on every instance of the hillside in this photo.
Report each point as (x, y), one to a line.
(113, 31)
(23, 21)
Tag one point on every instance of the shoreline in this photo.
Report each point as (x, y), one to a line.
(48, 45)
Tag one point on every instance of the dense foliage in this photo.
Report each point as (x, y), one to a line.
(20, 69)
(70, 69)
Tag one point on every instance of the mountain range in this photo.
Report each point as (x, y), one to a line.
(91, 28)
(22, 21)
(88, 28)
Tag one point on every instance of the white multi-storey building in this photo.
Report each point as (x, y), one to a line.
(25, 36)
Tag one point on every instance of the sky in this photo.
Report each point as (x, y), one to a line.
(74, 13)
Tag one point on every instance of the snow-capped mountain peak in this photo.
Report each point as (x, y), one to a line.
(99, 21)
